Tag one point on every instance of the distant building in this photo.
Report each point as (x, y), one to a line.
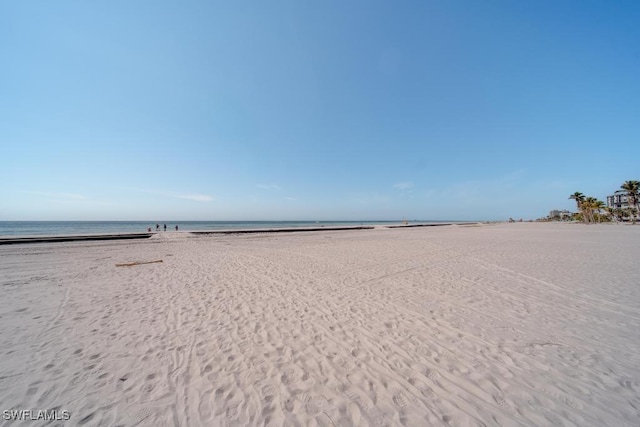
(562, 215)
(619, 200)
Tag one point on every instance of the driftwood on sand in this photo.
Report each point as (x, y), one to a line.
(129, 264)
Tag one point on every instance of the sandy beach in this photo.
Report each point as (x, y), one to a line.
(526, 324)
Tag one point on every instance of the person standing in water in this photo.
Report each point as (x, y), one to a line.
(176, 227)
(165, 227)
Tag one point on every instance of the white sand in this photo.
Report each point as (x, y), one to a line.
(510, 324)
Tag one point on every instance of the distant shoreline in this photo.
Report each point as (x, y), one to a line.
(9, 240)
(20, 229)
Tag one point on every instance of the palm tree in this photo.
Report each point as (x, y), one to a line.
(578, 197)
(599, 206)
(633, 193)
(611, 213)
(588, 206)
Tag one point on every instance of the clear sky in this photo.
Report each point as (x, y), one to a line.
(325, 110)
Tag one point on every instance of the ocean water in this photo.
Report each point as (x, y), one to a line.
(57, 228)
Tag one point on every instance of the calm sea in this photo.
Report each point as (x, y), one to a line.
(54, 228)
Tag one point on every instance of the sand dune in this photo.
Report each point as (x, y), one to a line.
(509, 324)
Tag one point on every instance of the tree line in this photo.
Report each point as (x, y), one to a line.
(592, 210)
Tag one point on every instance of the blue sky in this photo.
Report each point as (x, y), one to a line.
(362, 110)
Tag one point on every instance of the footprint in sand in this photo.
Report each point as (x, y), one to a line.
(562, 399)
(137, 415)
(253, 376)
(288, 377)
(397, 364)
(313, 404)
(288, 405)
(337, 360)
(355, 397)
(232, 411)
(478, 365)
(430, 373)
(268, 391)
(304, 397)
(424, 389)
(400, 399)
(312, 408)
(499, 399)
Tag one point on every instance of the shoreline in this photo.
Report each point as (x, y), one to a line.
(11, 240)
(72, 238)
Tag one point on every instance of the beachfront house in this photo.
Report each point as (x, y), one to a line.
(557, 215)
(619, 200)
